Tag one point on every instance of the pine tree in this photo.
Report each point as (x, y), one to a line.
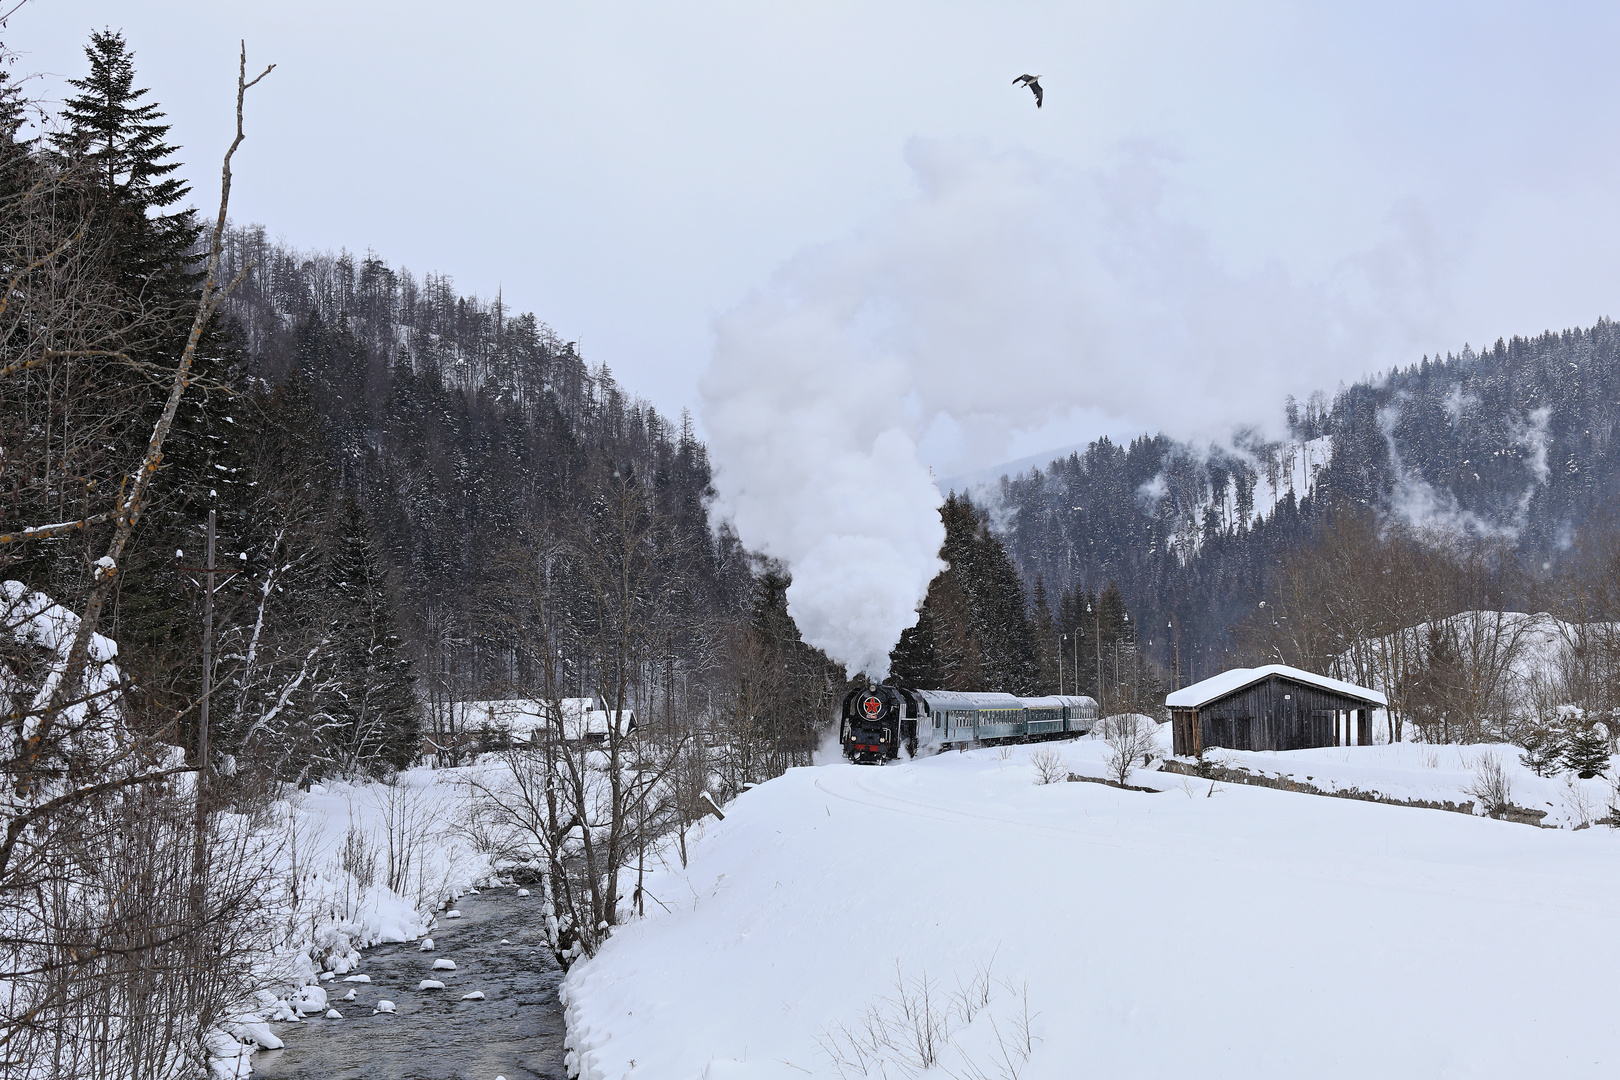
(1047, 644)
(376, 718)
(115, 145)
(121, 139)
(915, 661)
(1543, 751)
(1586, 751)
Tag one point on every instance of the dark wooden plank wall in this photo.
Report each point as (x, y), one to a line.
(1276, 713)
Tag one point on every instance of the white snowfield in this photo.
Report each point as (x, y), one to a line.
(1188, 932)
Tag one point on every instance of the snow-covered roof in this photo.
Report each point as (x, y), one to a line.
(1059, 701)
(957, 700)
(1218, 686)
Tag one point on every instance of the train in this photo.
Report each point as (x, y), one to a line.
(878, 723)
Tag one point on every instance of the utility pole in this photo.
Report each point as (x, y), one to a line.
(210, 573)
(1062, 647)
(1175, 633)
(1077, 661)
(207, 660)
(213, 577)
(1097, 629)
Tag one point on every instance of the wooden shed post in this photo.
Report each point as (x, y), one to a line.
(1364, 727)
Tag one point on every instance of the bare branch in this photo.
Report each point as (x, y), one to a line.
(21, 821)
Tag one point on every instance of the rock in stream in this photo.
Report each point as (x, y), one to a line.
(516, 1031)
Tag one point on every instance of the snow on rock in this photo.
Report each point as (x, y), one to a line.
(283, 1012)
(310, 999)
(350, 995)
(476, 995)
(430, 984)
(523, 892)
(357, 978)
(1149, 930)
(227, 1057)
(252, 1028)
(444, 963)
(426, 946)
(383, 1006)
(333, 1014)
(452, 914)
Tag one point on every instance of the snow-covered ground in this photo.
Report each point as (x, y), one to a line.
(1191, 931)
(1417, 771)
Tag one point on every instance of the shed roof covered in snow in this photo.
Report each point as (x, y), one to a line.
(1216, 687)
(1275, 707)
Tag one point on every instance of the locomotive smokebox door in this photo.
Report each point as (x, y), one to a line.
(871, 706)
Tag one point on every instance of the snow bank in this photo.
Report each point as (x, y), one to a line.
(1412, 772)
(1183, 932)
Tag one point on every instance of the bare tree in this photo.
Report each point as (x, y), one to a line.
(1131, 742)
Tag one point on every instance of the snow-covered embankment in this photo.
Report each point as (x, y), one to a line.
(1225, 931)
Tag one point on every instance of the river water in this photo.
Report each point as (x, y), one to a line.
(515, 1032)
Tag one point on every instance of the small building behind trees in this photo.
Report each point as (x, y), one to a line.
(527, 723)
(1275, 707)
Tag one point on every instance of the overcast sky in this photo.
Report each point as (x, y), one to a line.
(631, 171)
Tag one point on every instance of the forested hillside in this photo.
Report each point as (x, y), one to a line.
(267, 518)
(1515, 446)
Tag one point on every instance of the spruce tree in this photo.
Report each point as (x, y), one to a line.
(974, 629)
(114, 146)
(1543, 751)
(276, 638)
(1586, 751)
(16, 152)
(1047, 644)
(376, 717)
(131, 166)
(915, 661)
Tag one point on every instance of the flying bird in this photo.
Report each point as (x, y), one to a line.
(1034, 84)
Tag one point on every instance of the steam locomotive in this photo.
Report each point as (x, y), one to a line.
(877, 723)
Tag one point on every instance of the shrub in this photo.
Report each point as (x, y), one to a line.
(1491, 785)
(1129, 737)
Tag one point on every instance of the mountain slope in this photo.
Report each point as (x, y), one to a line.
(1519, 443)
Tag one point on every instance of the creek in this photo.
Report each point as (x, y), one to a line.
(517, 1030)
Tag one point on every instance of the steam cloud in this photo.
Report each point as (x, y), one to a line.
(1008, 292)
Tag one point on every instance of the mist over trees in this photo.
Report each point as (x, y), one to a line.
(1510, 448)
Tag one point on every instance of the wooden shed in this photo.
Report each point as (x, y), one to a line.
(1275, 707)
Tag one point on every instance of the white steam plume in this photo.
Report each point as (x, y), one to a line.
(817, 468)
(1008, 292)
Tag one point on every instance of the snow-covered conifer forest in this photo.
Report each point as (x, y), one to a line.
(329, 593)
